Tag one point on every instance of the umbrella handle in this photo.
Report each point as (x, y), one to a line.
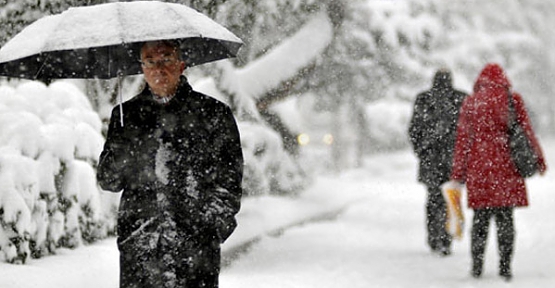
(120, 96)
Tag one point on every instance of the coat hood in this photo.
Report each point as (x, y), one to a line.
(442, 80)
(492, 76)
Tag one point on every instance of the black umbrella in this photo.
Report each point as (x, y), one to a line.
(103, 41)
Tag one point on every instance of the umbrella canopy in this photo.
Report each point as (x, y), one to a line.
(103, 41)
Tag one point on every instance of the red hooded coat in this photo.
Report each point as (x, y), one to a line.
(482, 158)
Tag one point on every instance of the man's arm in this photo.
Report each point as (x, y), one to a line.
(111, 162)
(418, 126)
(225, 201)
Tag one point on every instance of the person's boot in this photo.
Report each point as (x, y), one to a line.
(446, 240)
(505, 270)
(445, 251)
(477, 265)
(506, 275)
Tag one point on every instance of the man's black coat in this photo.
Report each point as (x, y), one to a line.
(180, 168)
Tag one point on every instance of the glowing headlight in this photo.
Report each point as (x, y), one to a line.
(303, 139)
(328, 139)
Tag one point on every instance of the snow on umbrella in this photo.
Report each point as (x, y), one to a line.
(103, 41)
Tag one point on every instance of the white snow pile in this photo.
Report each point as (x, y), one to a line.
(50, 139)
(268, 168)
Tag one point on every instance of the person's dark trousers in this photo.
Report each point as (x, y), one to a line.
(436, 216)
(505, 238)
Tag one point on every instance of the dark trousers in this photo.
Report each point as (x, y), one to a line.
(436, 216)
(505, 236)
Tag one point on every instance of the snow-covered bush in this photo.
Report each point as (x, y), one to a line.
(269, 169)
(50, 139)
(18, 193)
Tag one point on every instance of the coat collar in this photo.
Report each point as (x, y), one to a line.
(181, 95)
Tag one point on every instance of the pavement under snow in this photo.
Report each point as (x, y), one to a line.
(360, 228)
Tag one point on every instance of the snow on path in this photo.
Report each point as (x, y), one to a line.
(89, 266)
(380, 241)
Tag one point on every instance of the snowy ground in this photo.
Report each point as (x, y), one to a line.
(377, 241)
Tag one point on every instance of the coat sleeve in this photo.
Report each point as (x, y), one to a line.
(417, 126)
(462, 147)
(111, 164)
(225, 201)
(524, 121)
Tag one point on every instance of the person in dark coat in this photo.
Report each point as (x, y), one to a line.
(177, 157)
(432, 135)
(483, 162)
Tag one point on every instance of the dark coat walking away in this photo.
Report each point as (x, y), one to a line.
(483, 162)
(432, 135)
(178, 160)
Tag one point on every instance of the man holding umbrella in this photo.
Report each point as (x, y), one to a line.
(174, 152)
(177, 157)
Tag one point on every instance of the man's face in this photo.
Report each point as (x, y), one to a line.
(161, 67)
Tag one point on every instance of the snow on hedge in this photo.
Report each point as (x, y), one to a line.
(268, 168)
(50, 139)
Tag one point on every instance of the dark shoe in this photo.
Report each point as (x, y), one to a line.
(506, 275)
(476, 274)
(444, 251)
(505, 270)
(476, 271)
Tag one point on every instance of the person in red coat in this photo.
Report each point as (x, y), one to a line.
(483, 163)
